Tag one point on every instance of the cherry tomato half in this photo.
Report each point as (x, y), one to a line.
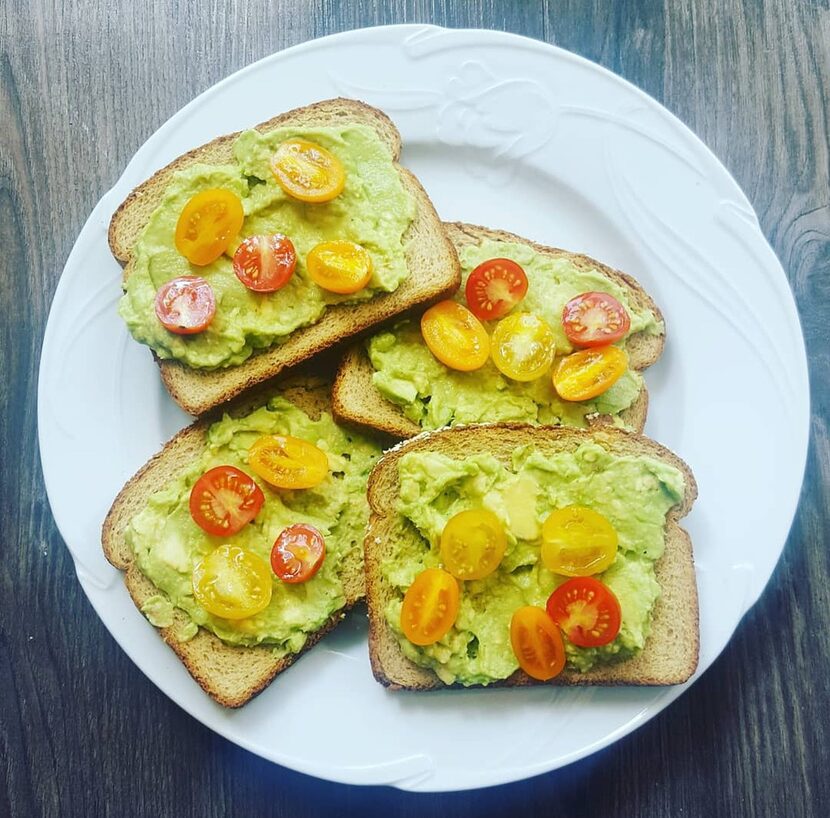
(307, 171)
(208, 223)
(298, 553)
(595, 319)
(472, 544)
(587, 611)
(522, 346)
(495, 287)
(590, 372)
(185, 305)
(288, 462)
(224, 500)
(430, 606)
(537, 643)
(578, 541)
(339, 266)
(232, 582)
(455, 336)
(265, 264)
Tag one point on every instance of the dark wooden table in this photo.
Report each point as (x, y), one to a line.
(82, 85)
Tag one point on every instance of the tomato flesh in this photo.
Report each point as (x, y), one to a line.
(523, 346)
(232, 582)
(588, 373)
(298, 553)
(455, 336)
(208, 224)
(307, 171)
(587, 611)
(495, 287)
(473, 544)
(430, 606)
(537, 643)
(578, 541)
(288, 462)
(339, 266)
(595, 319)
(224, 500)
(185, 305)
(265, 264)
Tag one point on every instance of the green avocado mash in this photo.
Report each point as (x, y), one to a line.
(432, 395)
(373, 210)
(168, 544)
(633, 492)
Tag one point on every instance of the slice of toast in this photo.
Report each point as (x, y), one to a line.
(230, 675)
(670, 655)
(356, 399)
(430, 258)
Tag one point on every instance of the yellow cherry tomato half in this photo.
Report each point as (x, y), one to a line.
(472, 544)
(307, 171)
(523, 346)
(208, 223)
(232, 582)
(578, 541)
(339, 266)
(430, 606)
(590, 372)
(455, 336)
(537, 643)
(288, 462)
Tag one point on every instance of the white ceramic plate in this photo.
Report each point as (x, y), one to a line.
(511, 133)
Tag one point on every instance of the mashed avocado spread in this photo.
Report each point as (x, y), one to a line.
(633, 492)
(432, 395)
(168, 544)
(374, 210)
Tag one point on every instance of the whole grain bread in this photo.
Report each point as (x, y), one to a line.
(355, 399)
(430, 259)
(230, 675)
(671, 652)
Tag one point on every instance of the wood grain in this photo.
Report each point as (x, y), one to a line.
(82, 85)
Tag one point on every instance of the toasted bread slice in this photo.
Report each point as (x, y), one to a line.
(230, 675)
(670, 655)
(430, 258)
(355, 398)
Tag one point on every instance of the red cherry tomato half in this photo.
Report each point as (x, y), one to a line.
(587, 611)
(185, 305)
(595, 319)
(298, 553)
(265, 264)
(495, 287)
(224, 500)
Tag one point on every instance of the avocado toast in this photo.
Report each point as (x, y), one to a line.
(393, 384)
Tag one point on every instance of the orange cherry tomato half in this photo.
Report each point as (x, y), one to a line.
(495, 287)
(298, 553)
(578, 541)
(522, 346)
(430, 606)
(339, 266)
(224, 500)
(265, 264)
(537, 643)
(472, 544)
(207, 225)
(590, 372)
(595, 319)
(455, 336)
(587, 611)
(288, 462)
(307, 171)
(185, 305)
(232, 582)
